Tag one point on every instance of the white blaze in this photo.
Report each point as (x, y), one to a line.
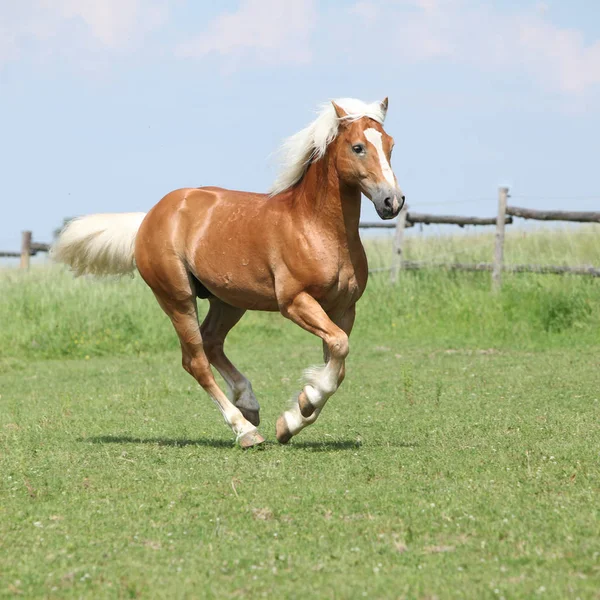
(374, 137)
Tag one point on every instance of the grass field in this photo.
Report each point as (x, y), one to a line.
(559, 245)
(459, 459)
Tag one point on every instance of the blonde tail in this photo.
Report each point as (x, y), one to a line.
(99, 244)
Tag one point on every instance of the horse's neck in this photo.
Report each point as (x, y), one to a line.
(322, 198)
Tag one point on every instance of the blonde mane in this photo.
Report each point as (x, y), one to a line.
(310, 144)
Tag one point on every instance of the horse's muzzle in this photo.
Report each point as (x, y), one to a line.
(388, 200)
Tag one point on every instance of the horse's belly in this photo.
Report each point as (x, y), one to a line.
(251, 291)
(249, 300)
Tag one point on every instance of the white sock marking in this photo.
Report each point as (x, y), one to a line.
(321, 383)
(294, 419)
(374, 137)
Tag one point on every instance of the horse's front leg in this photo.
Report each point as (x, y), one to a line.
(322, 382)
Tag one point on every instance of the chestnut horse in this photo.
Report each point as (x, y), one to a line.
(296, 250)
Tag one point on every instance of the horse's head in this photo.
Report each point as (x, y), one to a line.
(363, 156)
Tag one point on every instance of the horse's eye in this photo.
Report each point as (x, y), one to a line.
(358, 149)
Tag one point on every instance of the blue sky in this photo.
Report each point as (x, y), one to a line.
(106, 106)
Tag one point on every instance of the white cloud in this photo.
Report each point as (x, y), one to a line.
(366, 10)
(113, 23)
(467, 32)
(78, 25)
(271, 31)
(559, 56)
(487, 36)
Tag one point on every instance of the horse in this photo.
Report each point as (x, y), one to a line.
(295, 250)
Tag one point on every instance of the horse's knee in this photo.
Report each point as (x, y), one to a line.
(339, 346)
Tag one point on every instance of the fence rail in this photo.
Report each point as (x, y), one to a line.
(39, 247)
(553, 215)
(413, 218)
(497, 267)
(552, 269)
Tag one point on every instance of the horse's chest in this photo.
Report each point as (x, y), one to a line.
(335, 276)
(349, 285)
(344, 289)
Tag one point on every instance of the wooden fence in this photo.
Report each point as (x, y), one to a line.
(497, 267)
(29, 248)
(409, 219)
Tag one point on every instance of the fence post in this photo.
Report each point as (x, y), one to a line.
(397, 247)
(499, 251)
(25, 249)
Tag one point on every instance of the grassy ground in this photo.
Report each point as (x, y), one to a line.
(459, 458)
(47, 314)
(560, 245)
(431, 474)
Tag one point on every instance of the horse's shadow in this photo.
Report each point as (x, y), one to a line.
(312, 446)
(157, 441)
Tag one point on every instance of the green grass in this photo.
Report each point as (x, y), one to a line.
(47, 314)
(459, 458)
(431, 473)
(562, 245)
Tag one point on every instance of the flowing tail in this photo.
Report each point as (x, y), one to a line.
(99, 244)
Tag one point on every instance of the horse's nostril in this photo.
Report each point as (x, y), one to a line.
(403, 198)
(388, 202)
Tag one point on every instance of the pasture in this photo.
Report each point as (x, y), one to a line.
(458, 459)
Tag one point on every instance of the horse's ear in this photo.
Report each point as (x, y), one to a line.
(384, 105)
(339, 111)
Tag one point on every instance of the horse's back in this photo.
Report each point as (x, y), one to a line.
(189, 208)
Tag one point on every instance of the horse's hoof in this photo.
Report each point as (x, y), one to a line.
(250, 439)
(306, 408)
(282, 431)
(251, 415)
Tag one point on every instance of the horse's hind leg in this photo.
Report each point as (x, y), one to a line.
(179, 302)
(220, 319)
